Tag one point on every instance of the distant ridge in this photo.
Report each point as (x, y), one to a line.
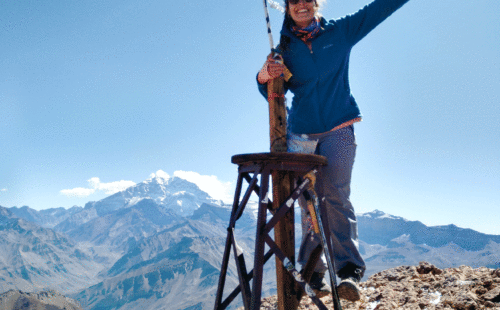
(163, 238)
(377, 227)
(45, 300)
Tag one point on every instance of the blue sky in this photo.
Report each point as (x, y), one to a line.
(97, 95)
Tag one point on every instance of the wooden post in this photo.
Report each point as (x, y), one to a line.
(277, 115)
(282, 187)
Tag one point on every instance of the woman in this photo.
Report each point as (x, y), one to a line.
(321, 118)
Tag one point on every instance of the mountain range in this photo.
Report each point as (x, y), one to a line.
(158, 245)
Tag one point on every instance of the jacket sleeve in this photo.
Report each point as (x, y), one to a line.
(356, 26)
(262, 87)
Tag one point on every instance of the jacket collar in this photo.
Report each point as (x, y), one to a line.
(285, 29)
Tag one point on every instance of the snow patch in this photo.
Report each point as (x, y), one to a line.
(436, 297)
(160, 176)
(373, 305)
(133, 201)
(387, 216)
(402, 239)
(252, 208)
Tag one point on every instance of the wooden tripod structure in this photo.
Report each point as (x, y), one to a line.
(287, 171)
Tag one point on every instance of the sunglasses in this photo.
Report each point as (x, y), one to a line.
(294, 2)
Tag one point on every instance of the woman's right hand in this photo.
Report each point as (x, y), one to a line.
(273, 68)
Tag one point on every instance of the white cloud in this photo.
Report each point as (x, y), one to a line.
(3, 190)
(111, 187)
(96, 185)
(209, 184)
(78, 192)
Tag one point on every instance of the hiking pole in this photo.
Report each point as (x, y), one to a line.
(276, 94)
(281, 180)
(313, 208)
(268, 23)
(278, 7)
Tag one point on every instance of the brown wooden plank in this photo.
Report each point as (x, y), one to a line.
(278, 157)
(285, 240)
(282, 187)
(258, 265)
(277, 115)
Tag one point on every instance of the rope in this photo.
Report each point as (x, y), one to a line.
(273, 96)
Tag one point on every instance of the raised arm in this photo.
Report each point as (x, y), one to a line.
(356, 26)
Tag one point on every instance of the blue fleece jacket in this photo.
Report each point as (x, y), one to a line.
(322, 98)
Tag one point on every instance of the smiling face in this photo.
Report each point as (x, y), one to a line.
(302, 13)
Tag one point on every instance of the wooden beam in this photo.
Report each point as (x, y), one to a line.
(283, 183)
(277, 115)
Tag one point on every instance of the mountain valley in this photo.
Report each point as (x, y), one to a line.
(159, 244)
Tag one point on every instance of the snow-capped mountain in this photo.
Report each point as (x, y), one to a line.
(380, 228)
(163, 238)
(177, 194)
(170, 193)
(388, 241)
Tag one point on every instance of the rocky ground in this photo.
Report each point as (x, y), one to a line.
(421, 287)
(46, 300)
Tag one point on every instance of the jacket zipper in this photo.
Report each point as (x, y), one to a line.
(309, 45)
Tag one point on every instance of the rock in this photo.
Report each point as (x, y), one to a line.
(489, 304)
(496, 273)
(45, 300)
(422, 287)
(426, 268)
(493, 295)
